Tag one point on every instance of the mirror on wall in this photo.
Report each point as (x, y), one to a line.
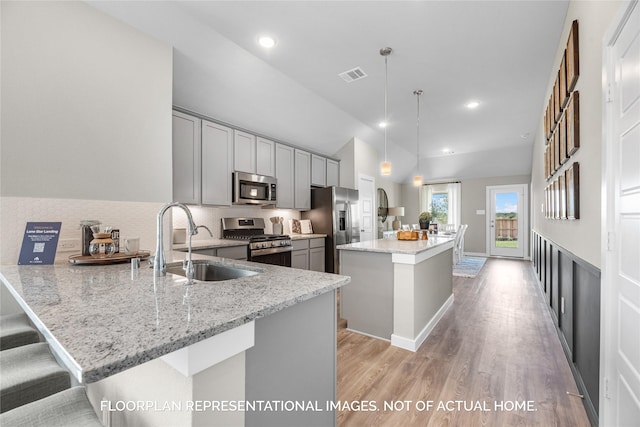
(383, 205)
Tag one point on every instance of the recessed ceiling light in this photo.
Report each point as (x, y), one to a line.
(382, 125)
(472, 104)
(447, 151)
(266, 41)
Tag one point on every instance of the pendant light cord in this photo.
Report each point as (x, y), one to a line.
(386, 123)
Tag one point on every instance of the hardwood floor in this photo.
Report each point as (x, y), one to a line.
(495, 348)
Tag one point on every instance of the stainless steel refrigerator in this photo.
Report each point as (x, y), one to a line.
(334, 212)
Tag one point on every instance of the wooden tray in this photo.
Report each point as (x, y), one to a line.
(114, 259)
(408, 235)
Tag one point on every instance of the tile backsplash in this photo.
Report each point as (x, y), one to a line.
(133, 219)
(211, 217)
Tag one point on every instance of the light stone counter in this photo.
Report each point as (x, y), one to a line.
(394, 246)
(108, 319)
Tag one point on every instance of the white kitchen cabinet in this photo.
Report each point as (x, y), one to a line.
(285, 176)
(333, 173)
(318, 170)
(186, 137)
(217, 158)
(244, 152)
(302, 183)
(265, 157)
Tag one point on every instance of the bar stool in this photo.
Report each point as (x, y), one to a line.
(29, 373)
(69, 408)
(15, 331)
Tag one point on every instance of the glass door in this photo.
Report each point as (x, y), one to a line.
(506, 221)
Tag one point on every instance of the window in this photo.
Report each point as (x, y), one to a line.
(440, 207)
(443, 201)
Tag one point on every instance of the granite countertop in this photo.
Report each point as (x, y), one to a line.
(394, 246)
(108, 319)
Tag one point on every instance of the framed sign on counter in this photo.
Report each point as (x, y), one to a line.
(39, 243)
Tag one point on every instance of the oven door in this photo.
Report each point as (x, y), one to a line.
(278, 257)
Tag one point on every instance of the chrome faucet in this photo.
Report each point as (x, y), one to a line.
(159, 263)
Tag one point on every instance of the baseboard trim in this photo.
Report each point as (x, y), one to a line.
(414, 344)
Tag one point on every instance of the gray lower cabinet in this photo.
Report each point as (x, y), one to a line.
(308, 254)
(316, 254)
(231, 252)
(293, 359)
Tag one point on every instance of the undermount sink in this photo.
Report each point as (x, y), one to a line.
(207, 271)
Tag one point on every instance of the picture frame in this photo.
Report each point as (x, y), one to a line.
(573, 57)
(572, 180)
(572, 116)
(556, 200)
(564, 94)
(562, 190)
(547, 171)
(556, 99)
(556, 151)
(563, 140)
(548, 198)
(546, 126)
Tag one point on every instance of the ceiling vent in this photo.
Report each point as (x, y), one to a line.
(353, 75)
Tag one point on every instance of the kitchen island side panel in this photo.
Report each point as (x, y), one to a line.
(367, 303)
(421, 290)
(294, 361)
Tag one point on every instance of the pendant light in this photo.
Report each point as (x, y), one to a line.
(417, 179)
(385, 167)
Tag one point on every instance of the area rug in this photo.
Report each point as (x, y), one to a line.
(469, 266)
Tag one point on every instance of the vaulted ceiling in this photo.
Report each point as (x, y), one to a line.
(498, 53)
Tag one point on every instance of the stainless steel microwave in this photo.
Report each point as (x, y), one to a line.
(251, 189)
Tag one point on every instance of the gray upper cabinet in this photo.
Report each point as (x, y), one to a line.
(265, 157)
(302, 184)
(244, 152)
(186, 158)
(333, 173)
(318, 171)
(285, 176)
(217, 158)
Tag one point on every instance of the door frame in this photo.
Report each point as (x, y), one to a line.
(609, 254)
(525, 216)
(374, 228)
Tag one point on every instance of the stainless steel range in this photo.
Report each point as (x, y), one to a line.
(265, 248)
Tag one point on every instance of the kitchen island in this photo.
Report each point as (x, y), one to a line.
(399, 289)
(133, 337)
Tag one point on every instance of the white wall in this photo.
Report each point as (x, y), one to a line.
(581, 237)
(86, 106)
(86, 123)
